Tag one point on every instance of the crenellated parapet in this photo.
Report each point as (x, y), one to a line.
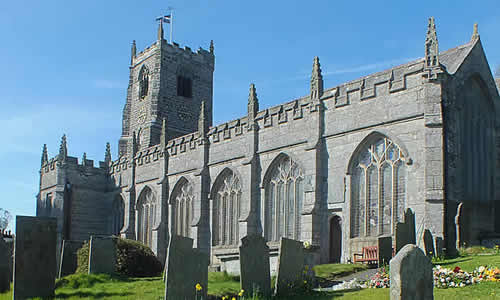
(201, 55)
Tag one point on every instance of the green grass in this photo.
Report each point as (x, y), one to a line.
(222, 284)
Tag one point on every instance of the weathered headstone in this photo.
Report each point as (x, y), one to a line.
(429, 243)
(69, 260)
(290, 266)
(186, 267)
(102, 255)
(439, 246)
(401, 235)
(410, 222)
(411, 275)
(255, 277)
(384, 250)
(5, 256)
(35, 257)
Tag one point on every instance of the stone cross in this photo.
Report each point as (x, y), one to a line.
(35, 257)
(255, 277)
(411, 275)
(290, 266)
(102, 255)
(186, 268)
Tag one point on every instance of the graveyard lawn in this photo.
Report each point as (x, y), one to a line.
(106, 287)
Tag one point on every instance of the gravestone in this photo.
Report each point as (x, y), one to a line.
(429, 243)
(255, 274)
(290, 266)
(410, 222)
(5, 256)
(69, 259)
(35, 257)
(439, 246)
(384, 250)
(186, 267)
(102, 255)
(411, 275)
(401, 235)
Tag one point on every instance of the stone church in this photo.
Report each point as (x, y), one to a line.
(337, 167)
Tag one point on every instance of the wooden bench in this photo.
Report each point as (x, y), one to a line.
(369, 255)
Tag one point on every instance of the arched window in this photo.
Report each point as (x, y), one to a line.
(226, 209)
(146, 211)
(117, 215)
(378, 188)
(143, 82)
(284, 194)
(183, 208)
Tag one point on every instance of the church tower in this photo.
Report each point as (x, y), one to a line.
(166, 82)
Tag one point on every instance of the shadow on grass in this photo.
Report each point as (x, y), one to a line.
(453, 262)
(93, 295)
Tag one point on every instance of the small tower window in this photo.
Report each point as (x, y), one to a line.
(184, 87)
(143, 82)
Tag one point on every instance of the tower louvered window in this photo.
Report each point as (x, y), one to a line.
(183, 208)
(284, 194)
(378, 188)
(184, 86)
(146, 212)
(143, 82)
(226, 209)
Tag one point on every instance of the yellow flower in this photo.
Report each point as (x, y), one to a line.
(307, 244)
(224, 298)
(198, 287)
(234, 298)
(241, 293)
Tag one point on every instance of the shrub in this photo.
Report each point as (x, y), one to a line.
(76, 281)
(133, 259)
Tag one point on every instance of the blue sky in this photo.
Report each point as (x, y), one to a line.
(65, 63)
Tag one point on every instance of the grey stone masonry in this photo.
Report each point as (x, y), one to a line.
(186, 268)
(290, 266)
(34, 257)
(5, 274)
(255, 277)
(69, 260)
(411, 275)
(102, 255)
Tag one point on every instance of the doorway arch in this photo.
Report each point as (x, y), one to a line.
(335, 239)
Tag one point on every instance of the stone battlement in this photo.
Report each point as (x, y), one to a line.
(201, 55)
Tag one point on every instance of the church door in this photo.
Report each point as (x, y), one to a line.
(335, 239)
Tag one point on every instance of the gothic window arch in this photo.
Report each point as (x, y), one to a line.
(226, 195)
(146, 212)
(378, 187)
(143, 82)
(184, 83)
(117, 215)
(284, 195)
(182, 201)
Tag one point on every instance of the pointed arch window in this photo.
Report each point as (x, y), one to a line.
(146, 212)
(143, 82)
(117, 215)
(183, 208)
(226, 209)
(378, 188)
(284, 195)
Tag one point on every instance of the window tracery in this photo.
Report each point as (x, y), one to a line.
(143, 82)
(226, 209)
(183, 208)
(378, 188)
(117, 215)
(146, 211)
(284, 194)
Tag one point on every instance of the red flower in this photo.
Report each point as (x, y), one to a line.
(457, 269)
